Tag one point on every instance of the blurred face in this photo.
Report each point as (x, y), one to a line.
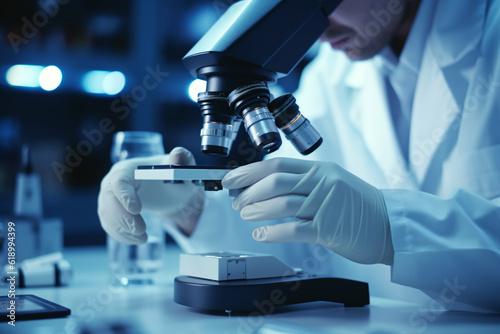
(361, 28)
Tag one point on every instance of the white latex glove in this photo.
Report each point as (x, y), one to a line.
(335, 208)
(122, 198)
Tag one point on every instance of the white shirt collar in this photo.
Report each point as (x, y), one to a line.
(412, 53)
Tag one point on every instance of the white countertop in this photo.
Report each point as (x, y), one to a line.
(95, 304)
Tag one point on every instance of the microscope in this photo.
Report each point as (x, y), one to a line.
(252, 45)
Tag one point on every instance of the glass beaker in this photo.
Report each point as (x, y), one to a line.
(137, 264)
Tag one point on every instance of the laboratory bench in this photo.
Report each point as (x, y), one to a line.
(99, 307)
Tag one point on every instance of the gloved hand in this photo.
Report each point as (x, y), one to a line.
(121, 198)
(336, 209)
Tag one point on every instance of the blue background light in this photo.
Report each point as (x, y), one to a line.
(113, 83)
(103, 82)
(24, 75)
(50, 78)
(197, 86)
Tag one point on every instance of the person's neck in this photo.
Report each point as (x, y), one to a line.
(399, 39)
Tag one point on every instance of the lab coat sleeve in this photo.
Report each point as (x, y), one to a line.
(448, 248)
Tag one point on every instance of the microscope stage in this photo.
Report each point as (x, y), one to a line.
(208, 176)
(181, 173)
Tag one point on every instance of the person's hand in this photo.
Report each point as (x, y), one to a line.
(122, 198)
(335, 208)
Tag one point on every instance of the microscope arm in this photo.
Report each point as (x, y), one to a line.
(262, 38)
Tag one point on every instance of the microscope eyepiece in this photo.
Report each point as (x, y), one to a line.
(219, 125)
(296, 127)
(250, 103)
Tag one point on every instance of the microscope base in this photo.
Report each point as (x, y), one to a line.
(247, 295)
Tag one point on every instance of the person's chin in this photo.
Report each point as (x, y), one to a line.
(358, 54)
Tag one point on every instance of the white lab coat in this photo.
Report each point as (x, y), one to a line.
(440, 198)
